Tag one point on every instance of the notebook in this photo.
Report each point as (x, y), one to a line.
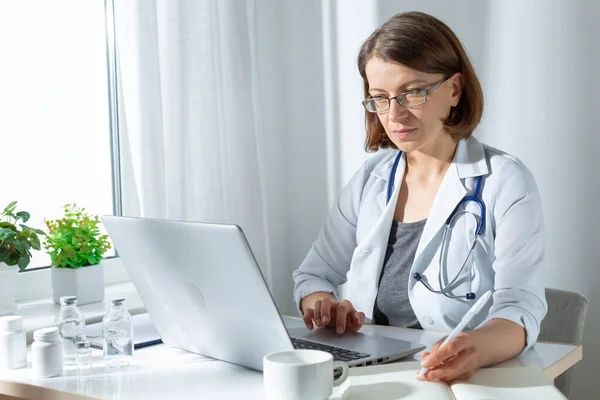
(144, 332)
(399, 381)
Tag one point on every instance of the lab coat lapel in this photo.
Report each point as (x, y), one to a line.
(382, 199)
(469, 161)
(384, 174)
(449, 194)
(367, 261)
(383, 225)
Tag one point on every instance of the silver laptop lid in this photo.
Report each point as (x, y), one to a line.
(178, 270)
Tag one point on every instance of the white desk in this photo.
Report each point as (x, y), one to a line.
(161, 372)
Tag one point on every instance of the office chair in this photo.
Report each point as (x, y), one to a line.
(564, 324)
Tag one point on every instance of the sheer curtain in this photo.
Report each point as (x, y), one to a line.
(189, 120)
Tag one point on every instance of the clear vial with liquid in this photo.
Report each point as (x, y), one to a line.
(71, 326)
(84, 360)
(117, 331)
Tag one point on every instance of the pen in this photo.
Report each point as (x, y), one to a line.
(463, 322)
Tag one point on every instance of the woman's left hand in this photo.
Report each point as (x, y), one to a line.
(457, 360)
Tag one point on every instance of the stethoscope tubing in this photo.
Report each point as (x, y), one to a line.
(480, 225)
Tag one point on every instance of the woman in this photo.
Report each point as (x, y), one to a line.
(386, 235)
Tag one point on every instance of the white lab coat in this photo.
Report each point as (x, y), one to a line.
(508, 258)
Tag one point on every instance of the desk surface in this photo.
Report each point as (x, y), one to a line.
(160, 372)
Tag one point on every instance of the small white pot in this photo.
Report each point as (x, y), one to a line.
(8, 288)
(87, 283)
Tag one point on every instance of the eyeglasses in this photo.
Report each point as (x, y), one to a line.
(412, 98)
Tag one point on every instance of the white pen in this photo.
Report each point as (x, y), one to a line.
(463, 322)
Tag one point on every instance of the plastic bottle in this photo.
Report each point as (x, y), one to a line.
(13, 346)
(47, 353)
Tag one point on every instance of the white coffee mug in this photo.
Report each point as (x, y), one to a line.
(301, 375)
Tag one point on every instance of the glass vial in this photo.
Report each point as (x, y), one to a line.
(84, 360)
(117, 331)
(71, 326)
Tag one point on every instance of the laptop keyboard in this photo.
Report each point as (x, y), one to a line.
(339, 354)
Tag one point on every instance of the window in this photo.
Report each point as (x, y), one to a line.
(54, 112)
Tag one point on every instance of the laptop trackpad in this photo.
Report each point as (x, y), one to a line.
(352, 340)
(328, 336)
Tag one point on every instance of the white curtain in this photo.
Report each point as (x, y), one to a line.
(189, 121)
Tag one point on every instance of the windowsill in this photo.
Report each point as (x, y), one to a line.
(40, 313)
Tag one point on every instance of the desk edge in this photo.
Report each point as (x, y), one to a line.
(569, 360)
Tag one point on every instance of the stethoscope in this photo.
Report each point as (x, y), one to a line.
(445, 290)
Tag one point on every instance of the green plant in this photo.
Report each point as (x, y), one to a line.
(75, 240)
(15, 244)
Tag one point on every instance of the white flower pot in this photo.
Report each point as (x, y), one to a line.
(87, 283)
(8, 288)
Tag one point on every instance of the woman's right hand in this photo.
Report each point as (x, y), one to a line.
(322, 309)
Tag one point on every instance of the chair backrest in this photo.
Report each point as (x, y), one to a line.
(564, 324)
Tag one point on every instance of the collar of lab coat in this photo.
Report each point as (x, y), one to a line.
(469, 161)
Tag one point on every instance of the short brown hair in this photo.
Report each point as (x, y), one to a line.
(424, 43)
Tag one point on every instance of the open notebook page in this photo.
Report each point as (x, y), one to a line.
(507, 383)
(391, 382)
(399, 381)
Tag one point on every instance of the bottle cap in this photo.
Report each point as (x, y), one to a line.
(84, 344)
(68, 300)
(117, 302)
(47, 334)
(11, 323)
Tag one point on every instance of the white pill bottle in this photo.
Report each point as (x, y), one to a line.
(47, 353)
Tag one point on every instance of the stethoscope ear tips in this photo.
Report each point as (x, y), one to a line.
(471, 296)
(417, 276)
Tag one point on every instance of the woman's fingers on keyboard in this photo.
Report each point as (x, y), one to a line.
(340, 321)
(343, 310)
(339, 315)
(360, 317)
(326, 306)
(317, 316)
(308, 318)
(355, 321)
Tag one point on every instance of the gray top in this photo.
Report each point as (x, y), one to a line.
(392, 306)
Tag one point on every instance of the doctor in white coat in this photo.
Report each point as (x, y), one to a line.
(422, 102)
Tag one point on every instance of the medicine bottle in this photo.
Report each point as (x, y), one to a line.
(47, 353)
(13, 345)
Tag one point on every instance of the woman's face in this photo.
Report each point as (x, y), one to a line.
(414, 128)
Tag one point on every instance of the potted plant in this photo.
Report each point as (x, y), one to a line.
(76, 248)
(16, 242)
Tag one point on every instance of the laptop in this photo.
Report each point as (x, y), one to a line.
(205, 293)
